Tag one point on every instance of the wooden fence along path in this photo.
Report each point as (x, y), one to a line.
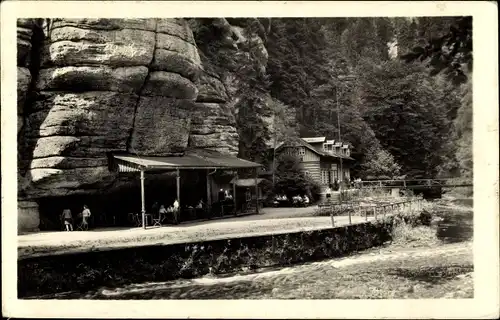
(373, 207)
(416, 183)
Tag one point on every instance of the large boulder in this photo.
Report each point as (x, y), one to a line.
(28, 217)
(105, 85)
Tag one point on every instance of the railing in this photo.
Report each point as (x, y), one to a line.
(416, 183)
(374, 208)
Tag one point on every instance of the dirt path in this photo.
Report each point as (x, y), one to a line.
(37, 244)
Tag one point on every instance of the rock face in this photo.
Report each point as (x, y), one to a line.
(96, 86)
(106, 85)
(216, 128)
(24, 33)
(213, 124)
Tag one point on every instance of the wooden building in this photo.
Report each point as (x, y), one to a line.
(320, 158)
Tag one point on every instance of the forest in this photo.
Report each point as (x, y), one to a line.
(402, 88)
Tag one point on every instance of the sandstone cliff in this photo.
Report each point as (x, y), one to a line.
(107, 85)
(142, 86)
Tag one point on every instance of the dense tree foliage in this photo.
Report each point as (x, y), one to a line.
(447, 51)
(386, 79)
(394, 114)
(291, 181)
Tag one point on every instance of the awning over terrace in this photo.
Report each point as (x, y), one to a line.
(193, 160)
(199, 159)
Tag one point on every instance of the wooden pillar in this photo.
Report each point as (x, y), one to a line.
(350, 219)
(178, 178)
(234, 191)
(256, 191)
(209, 192)
(143, 205)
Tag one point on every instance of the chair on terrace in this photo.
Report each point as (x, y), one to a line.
(157, 222)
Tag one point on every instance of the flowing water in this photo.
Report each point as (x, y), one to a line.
(384, 272)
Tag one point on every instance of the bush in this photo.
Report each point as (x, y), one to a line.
(291, 181)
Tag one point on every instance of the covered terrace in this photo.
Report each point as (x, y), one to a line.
(208, 161)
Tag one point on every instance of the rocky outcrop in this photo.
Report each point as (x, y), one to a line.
(107, 85)
(213, 124)
(142, 86)
(219, 95)
(24, 34)
(28, 216)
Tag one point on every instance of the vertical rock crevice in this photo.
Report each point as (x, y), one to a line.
(129, 140)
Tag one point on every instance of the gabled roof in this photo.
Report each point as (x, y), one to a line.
(300, 142)
(314, 139)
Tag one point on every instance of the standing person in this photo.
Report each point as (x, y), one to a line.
(85, 215)
(221, 195)
(176, 211)
(328, 193)
(336, 185)
(67, 217)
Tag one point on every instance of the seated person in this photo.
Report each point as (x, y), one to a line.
(306, 200)
(162, 211)
(200, 204)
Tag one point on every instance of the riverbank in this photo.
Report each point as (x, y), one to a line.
(81, 274)
(387, 273)
(437, 262)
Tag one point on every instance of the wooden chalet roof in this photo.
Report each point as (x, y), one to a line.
(300, 142)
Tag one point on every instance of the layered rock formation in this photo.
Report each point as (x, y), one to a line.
(107, 85)
(141, 86)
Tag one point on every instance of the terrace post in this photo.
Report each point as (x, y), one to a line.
(143, 206)
(209, 200)
(178, 178)
(234, 191)
(256, 191)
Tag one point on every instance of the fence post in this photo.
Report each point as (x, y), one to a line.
(366, 215)
(333, 220)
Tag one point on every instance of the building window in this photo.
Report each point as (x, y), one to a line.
(325, 147)
(302, 151)
(324, 176)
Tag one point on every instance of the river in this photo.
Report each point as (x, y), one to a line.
(442, 270)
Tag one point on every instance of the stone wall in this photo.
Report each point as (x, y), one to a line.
(87, 271)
